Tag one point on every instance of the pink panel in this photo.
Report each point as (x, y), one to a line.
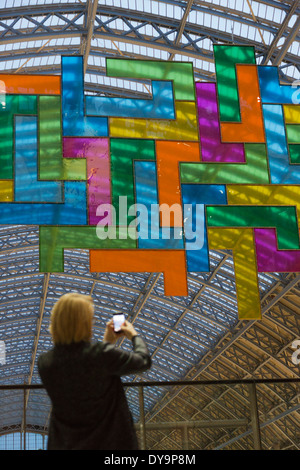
(96, 152)
(269, 258)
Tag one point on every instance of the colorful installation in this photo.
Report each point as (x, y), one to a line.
(152, 185)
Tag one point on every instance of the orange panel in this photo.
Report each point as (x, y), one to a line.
(171, 263)
(168, 156)
(251, 127)
(30, 84)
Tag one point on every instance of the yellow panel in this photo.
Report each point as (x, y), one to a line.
(184, 127)
(258, 195)
(241, 242)
(291, 114)
(6, 191)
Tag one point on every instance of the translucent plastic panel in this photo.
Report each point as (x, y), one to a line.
(271, 90)
(226, 58)
(212, 147)
(75, 122)
(123, 153)
(71, 211)
(52, 165)
(53, 241)
(241, 242)
(273, 195)
(151, 235)
(161, 106)
(171, 263)
(283, 218)
(14, 104)
(28, 188)
(181, 73)
(197, 197)
(277, 147)
(168, 157)
(251, 127)
(184, 127)
(95, 151)
(255, 170)
(270, 258)
(31, 84)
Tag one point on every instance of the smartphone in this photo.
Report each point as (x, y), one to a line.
(118, 320)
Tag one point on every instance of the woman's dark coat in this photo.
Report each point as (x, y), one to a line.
(89, 407)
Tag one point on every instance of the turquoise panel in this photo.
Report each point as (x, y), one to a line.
(161, 106)
(27, 186)
(75, 122)
(151, 235)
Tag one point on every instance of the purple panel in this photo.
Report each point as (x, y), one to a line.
(269, 258)
(96, 152)
(212, 149)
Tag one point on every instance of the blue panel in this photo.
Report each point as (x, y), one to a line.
(161, 106)
(75, 122)
(27, 186)
(271, 90)
(72, 212)
(150, 234)
(197, 196)
(277, 148)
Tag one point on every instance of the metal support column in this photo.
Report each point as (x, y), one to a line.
(142, 418)
(254, 416)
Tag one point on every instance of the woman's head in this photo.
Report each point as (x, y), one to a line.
(72, 319)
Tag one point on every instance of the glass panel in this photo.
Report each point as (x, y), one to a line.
(251, 128)
(52, 165)
(171, 263)
(283, 218)
(241, 242)
(161, 106)
(255, 170)
(181, 73)
(75, 123)
(31, 84)
(168, 156)
(271, 90)
(212, 148)
(270, 258)
(197, 196)
(151, 235)
(71, 211)
(27, 186)
(53, 241)
(226, 58)
(123, 154)
(279, 162)
(17, 104)
(184, 127)
(96, 153)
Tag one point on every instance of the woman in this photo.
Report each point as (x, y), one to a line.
(89, 407)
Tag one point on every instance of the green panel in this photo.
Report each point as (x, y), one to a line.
(293, 133)
(53, 241)
(254, 171)
(226, 58)
(52, 165)
(181, 73)
(14, 104)
(294, 150)
(283, 218)
(123, 154)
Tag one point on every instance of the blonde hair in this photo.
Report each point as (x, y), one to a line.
(71, 319)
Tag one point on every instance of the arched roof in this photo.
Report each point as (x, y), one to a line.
(198, 337)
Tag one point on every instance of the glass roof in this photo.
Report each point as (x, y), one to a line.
(198, 336)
